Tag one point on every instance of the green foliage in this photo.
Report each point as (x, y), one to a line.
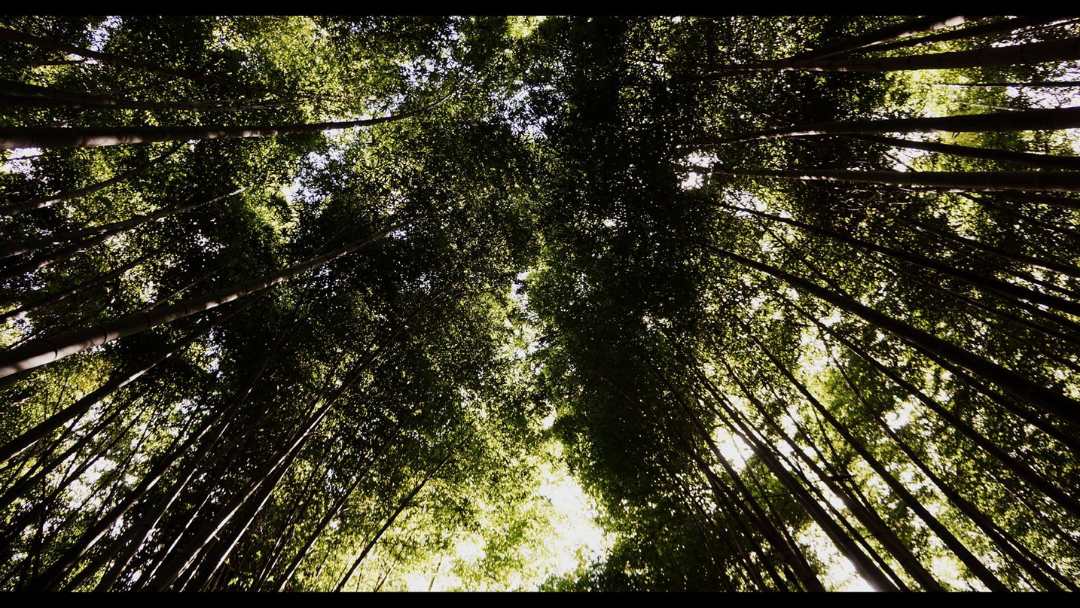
(551, 261)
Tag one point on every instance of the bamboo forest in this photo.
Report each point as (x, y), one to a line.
(565, 303)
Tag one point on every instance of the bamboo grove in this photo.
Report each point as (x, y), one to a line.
(290, 303)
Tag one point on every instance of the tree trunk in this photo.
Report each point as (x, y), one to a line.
(54, 575)
(22, 94)
(1015, 466)
(331, 513)
(115, 383)
(863, 564)
(98, 56)
(60, 296)
(872, 40)
(52, 199)
(1004, 26)
(1072, 335)
(1001, 539)
(88, 237)
(286, 532)
(389, 522)
(1019, 120)
(89, 137)
(973, 564)
(1012, 382)
(1019, 258)
(1067, 49)
(1046, 84)
(268, 475)
(253, 509)
(138, 533)
(34, 476)
(805, 574)
(759, 559)
(1002, 288)
(703, 521)
(49, 349)
(1008, 208)
(867, 517)
(1046, 161)
(68, 476)
(949, 181)
(1019, 411)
